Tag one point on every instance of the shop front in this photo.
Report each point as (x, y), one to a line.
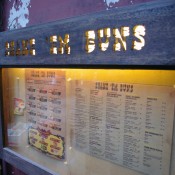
(91, 95)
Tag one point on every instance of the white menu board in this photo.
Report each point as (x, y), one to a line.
(45, 110)
(126, 124)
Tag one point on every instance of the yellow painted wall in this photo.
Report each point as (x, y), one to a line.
(153, 77)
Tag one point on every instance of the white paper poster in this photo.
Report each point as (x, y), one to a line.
(45, 107)
(126, 124)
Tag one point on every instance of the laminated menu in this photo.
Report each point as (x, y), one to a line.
(45, 108)
(127, 124)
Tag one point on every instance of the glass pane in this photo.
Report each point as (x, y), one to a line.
(90, 121)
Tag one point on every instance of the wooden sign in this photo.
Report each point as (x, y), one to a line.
(130, 36)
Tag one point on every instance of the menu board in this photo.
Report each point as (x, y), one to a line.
(126, 124)
(45, 108)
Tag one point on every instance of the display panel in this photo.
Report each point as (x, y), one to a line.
(122, 124)
(91, 121)
(45, 110)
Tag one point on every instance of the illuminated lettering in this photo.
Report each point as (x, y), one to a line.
(139, 32)
(106, 34)
(120, 38)
(63, 44)
(25, 47)
(7, 49)
(90, 41)
(20, 48)
(114, 39)
(32, 46)
(53, 48)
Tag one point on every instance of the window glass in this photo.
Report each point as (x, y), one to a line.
(91, 121)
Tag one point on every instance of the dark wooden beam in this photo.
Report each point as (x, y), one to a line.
(158, 17)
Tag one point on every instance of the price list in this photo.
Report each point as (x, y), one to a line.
(45, 99)
(122, 124)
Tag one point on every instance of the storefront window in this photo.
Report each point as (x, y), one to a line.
(90, 121)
